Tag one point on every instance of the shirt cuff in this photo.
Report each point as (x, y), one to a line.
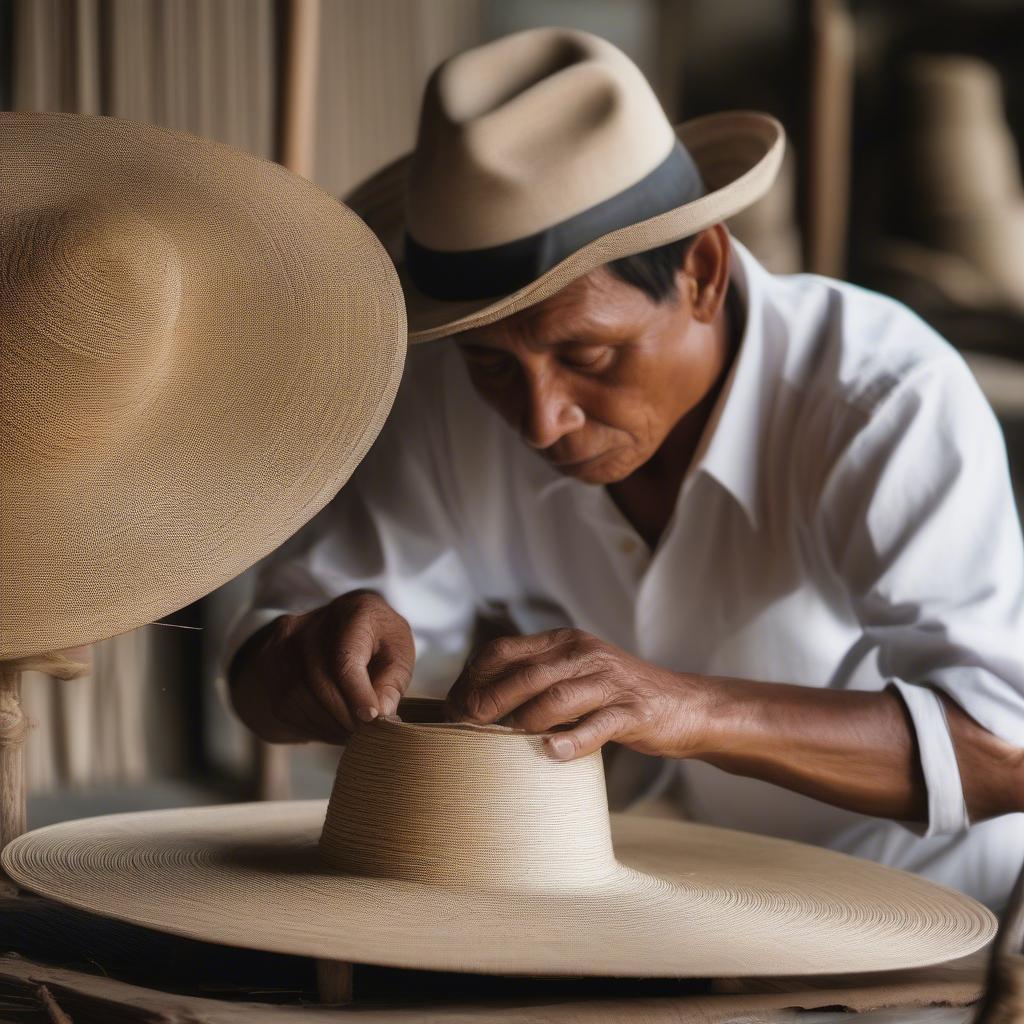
(947, 811)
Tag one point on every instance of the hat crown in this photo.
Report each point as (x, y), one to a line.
(458, 805)
(526, 132)
(89, 299)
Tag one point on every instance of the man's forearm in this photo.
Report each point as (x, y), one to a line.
(853, 749)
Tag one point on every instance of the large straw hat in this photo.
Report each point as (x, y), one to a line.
(196, 349)
(454, 847)
(540, 157)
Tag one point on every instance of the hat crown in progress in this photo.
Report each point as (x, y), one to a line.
(526, 132)
(91, 296)
(469, 807)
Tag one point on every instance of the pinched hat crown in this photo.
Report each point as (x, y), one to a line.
(526, 132)
(529, 148)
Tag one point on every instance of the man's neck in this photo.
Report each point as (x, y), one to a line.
(647, 496)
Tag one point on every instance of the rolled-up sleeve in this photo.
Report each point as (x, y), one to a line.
(924, 533)
(391, 529)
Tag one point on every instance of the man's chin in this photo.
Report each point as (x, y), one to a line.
(607, 468)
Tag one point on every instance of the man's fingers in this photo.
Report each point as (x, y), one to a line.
(591, 734)
(508, 671)
(492, 701)
(390, 674)
(563, 702)
(349, 666)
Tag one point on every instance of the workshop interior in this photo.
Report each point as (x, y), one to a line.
(901, 172)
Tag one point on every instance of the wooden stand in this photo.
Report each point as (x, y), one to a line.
(13, 730)
(13, 727)
(334, 981)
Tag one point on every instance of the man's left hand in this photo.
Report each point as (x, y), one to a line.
(546, 680)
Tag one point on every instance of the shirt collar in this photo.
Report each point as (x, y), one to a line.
(729, 449)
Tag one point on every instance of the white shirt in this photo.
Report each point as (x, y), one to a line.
(847, 522)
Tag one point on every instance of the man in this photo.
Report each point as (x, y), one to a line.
(756, 531)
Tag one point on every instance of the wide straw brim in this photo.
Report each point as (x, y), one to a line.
(267, 387)
(689, 900)
(739, 154)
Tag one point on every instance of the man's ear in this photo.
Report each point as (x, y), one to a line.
(703, 279)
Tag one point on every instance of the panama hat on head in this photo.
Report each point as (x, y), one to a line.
(196, 349)
(540, 157)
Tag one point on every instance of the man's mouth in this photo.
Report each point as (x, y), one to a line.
(575, 463)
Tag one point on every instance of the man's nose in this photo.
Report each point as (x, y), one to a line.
(549, 415)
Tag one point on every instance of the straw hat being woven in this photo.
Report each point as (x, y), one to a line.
(540, 157)
(196, 349)
(456, 847)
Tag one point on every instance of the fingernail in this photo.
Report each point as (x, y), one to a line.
(388, 706)
(560, 747)
(367, 714)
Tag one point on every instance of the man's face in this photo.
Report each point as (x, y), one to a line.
(596, 376)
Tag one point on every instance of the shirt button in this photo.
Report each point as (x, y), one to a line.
(627, 545)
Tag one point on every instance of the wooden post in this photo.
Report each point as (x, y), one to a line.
(297, 94)
(296, 137)
(828, 146)
(13, 730)
(334, 981)
(13, 727)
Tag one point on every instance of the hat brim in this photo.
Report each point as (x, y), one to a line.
(739, 154)
(689, 901)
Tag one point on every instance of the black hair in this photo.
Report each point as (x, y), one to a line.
(654, 271)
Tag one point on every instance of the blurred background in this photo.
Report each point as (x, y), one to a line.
(903, 175)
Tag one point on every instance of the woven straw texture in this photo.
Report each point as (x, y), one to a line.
(455, 848)
(196, 349)
(739, 155)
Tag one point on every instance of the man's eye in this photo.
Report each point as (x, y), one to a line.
(591, 358)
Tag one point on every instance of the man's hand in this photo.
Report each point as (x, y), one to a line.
(314, 676)
(566, 676)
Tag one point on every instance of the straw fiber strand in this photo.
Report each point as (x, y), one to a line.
(196, 349)
(449, 848)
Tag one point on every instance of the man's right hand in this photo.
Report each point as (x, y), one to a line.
(315, 676)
